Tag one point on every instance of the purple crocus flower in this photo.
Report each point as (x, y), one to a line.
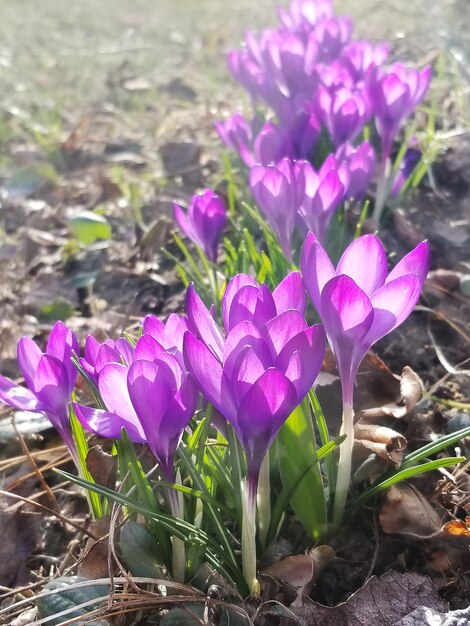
(324, 192)
(254, 376)
(275, 189)
(50, 379)
(360, 163)
(407, 166)
(237, 134)
(266, 338)
(359, 302)
(360, 56)
(153, 399)
(96, 355)
(204, 221)
(168, 334)
(343, 112)
(394, 95)
(332, 34)
(304, 14)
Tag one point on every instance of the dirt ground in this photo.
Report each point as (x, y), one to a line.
(111, 105)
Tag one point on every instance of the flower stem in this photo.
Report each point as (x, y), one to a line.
(264, 501)
(179, 553)
(249, 489)
(344, 465)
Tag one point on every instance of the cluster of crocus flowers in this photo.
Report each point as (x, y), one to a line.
(293, 195)
(321, 84)
(254, 368)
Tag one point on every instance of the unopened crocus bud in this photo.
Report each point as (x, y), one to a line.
(408, 164)
(343, 112)
(275, 189)
(203, 222)
(360, 162)
(323, 193)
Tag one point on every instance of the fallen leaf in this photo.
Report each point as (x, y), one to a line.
(20, 537)
(301, 571)
(407, 512)
(386, 443)
(94, 560)
(382, 601)
(411, 391)
(102, 466)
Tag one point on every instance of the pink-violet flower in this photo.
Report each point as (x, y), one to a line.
(50, 379)
(359, 302)
(203, 222)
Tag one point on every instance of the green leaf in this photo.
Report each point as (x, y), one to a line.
(215, 554)
(434, 447)
(30, 179)
(89, 227)
(67, 598)
(59, 309)
(140, 551)
(295, 449)
(404, 474)
(81, 444)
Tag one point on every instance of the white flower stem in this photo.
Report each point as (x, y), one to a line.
(249, 535)
(264, 501)
(178, 547)
(344, 465)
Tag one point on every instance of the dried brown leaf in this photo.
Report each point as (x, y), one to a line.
(390, 599)
(386, 443)
(407, 512)
(301, 571)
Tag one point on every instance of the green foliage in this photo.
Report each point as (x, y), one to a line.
(88, 227)
(67, 601)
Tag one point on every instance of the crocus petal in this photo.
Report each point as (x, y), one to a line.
(290, 294)
(51, 385)
(249, 365)
(265, 407)
(107, 424)
(282, 328)
(202, 323)
(365, 261)
(183, 221)
(90, 351)
(125, 350)
(150, 397)
(392, 304)
(147, 348)
(62, 342)
(346, 309)
(28, 354)
(415, 262)
(207, 371)
(243, 334)
(234, 285)
(252, 303)
(112, 385)
(106, 355)
(316, 268)
(301, 358)
(18, 397)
